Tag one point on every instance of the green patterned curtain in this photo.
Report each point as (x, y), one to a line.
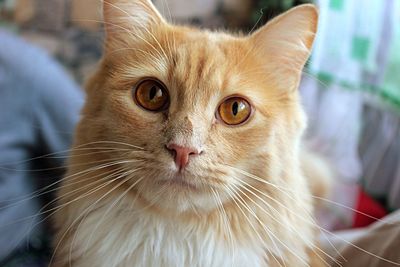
(358, 47)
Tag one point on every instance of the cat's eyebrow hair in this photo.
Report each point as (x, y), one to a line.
(172, 66)
(201, 64)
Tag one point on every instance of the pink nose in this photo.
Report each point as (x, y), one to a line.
(182, 154)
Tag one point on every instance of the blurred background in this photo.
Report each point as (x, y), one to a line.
(350, 89)
(71, 30)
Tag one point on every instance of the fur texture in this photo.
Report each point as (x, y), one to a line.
(244, 201)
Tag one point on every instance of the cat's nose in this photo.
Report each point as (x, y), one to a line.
(182, 154)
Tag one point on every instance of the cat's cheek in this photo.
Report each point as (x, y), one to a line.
(231, 144)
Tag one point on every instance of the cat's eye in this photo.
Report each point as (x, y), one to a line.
(234, 110)
(151, 95)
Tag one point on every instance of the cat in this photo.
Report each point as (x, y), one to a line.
(188, 151)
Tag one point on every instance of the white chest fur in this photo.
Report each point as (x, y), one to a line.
(141, 239)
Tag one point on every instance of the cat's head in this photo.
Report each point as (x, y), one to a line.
(207, 109)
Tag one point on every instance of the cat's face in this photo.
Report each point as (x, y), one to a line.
(205, 108)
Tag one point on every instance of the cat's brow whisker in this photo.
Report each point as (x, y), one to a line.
(168, 36)
(257, 22)
(168, 44)
(233, 197)
(254, 70)
(251, 50)
(145, 53)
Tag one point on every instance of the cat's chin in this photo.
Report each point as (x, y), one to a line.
(178, 195)
(181, 181)
(178, 183)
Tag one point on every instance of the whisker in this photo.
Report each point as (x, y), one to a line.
(105, 213)
(112, 205)
(43, 191)
(220, 206)
(286, 190)
(290, 226)
(266, 229)
(53, 210)
(361, 249)
(49, 210)
(109, 175)
(282, 189)
(232, 196)
(294, 201)
(72, 192)
(55, 168)
(78, 147)
(84, 212)
(312, 222)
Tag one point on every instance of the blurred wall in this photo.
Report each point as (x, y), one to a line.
(71, 30)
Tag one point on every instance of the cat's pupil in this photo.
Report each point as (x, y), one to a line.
(153, 92)
(235, 108)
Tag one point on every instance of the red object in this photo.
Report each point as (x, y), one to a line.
(368, 210)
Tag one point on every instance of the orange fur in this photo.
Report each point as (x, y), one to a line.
(136, 219)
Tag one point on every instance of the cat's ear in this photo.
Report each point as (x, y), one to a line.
(128, 20)
(285, 42)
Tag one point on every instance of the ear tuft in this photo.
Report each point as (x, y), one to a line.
(124, 19)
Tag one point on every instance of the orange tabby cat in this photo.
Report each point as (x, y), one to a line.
(187, 152)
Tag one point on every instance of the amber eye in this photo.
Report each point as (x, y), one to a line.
(152, 95)
(234, 110)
